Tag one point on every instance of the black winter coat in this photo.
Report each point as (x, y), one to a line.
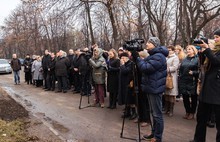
(71, 60)
(51, 67)
(27, 64)
(45, 61)
(210, 92)
(61, 66)
(113, 75)
(82, 64)
(188, 83)
(125, 90)
(16, 64)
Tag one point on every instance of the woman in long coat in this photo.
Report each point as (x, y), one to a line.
(172, 67)
(126, 85)
(112, 77)
(188, 78)
(209, 97)
(38, 71)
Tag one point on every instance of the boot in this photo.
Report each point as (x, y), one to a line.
(167, 107)
(186, 116)
(191, 116)
(133, 114)
(127, 112)
(114, 101)
(110, 101)
(171, 109)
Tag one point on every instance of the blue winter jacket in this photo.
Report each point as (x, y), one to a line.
(154, 71)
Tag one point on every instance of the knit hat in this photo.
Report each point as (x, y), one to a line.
(217, 32)
(155, 41)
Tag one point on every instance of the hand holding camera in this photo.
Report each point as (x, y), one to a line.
(135, 55)
(201, 42)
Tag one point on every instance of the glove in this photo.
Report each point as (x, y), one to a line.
(135, 55)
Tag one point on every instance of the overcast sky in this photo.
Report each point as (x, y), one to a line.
(6, 6)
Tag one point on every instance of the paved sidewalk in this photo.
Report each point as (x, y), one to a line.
(61, 113)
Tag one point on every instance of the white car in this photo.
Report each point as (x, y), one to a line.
(5, 67)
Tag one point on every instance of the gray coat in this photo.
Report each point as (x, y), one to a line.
(37, 70)
(172, 66)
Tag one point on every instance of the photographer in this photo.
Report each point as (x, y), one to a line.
(154, 72)
(209, 97)
(84, 72)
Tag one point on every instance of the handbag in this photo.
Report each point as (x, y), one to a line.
(169, 81)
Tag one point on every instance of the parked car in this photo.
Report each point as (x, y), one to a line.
(5, 66)
(22, 61)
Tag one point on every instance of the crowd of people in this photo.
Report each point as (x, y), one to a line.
(195, 74)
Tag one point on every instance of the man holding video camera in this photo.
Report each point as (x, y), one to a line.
(154, 72)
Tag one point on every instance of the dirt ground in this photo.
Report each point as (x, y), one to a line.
(16, 125)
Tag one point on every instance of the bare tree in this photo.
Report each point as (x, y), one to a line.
(194, 16)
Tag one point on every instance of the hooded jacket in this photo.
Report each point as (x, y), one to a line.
(154, 71)
(99, 67)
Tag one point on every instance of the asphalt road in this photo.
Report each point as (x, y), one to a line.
(61, 113)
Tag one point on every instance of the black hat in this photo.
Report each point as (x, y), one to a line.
(217, 32)
(124, 54)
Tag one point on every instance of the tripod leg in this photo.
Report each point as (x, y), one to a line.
(123, 123)
(88, 100)
(138, 117)
(80, 102)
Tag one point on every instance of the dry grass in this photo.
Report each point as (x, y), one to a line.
(13, 131)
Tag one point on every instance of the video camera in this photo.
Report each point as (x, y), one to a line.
(88, 54)
(133, 45)
(199, 40)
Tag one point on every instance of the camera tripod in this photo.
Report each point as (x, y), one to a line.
(136, 93)
(87, 93)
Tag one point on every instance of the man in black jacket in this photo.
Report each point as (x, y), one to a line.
(71, 58)
(81, 68)
(16, 66)
(61, 67)
(45, 63)
(51, 77)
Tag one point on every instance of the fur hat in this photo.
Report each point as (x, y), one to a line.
(217, 32)
(155, 41)
(124, 54)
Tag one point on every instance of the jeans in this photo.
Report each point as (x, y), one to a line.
(155, 102)
(16, 76)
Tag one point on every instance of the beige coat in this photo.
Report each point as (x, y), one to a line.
(172, 66)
